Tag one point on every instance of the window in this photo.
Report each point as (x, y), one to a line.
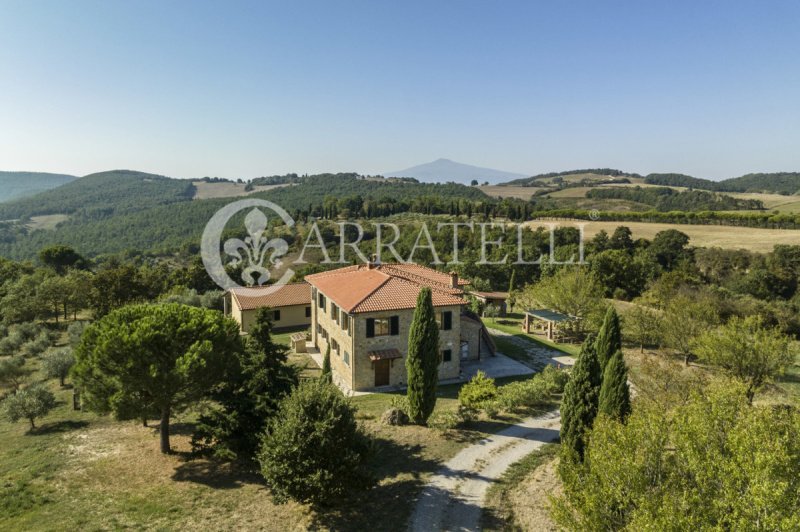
(335, 312)
(334, 345)
(321, 301)
(347, 358)
(345, 322)
(383, 326)
(444, 320)
(276, 315)
(308, 312)
(447, 355)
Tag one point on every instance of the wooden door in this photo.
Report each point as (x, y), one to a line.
(382, 372)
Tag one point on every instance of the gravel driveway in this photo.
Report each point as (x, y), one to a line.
(453, 498)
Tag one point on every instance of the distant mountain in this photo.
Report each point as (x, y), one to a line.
(14, 185)
(442, 170)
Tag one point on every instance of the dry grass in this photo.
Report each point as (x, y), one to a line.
(226, 190)
(497, 191)
(47, 221)
(727, 237)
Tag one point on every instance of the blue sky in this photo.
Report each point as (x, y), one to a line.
(241, 89)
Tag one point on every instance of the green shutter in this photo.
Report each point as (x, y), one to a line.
(370, 327)
(395, 325)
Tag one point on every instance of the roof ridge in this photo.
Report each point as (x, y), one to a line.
(386, 280)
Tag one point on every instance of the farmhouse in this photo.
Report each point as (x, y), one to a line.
(364, 313)
(290, 305)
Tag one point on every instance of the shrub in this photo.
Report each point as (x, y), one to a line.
(36, 346)
(555, 378)
(477, 392)
(313, 449)
(29, 403)
(57, 363)
(400, 402)
(524, 394)
(445, 420)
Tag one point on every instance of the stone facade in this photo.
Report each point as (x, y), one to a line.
(351, 364)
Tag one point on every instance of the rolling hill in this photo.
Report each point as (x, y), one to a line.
(786, 183)
(101, 195)
(124, 210)
(15, 185)
(444, 170)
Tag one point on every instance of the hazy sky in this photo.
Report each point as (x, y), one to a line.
(241, 89)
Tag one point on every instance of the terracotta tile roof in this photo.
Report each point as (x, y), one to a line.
(383, 287)
(249, 298)
(491, 295)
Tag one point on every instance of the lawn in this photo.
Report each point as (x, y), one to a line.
(511, 324)
(79, 470)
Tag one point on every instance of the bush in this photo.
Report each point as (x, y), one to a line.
(477, 392)
(29, 403)
(36, 346)
(524, 394)
(313, 450)
(445, 420)
(555, 378)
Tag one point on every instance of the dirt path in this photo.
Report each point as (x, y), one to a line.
(453, 498)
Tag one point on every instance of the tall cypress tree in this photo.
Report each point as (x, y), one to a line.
(609, 339)
(422, 362)
(579, 403)
(615, 396)
(327, 373)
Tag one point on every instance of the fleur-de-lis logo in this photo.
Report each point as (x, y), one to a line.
(257, 253)
(255, 248)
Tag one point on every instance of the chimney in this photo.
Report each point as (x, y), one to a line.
(373, 262)
(453, 280)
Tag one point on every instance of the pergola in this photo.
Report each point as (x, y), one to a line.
(546, 321)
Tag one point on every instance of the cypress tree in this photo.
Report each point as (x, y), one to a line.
(422, 362)
(327, 374)
(609, 339)
(579, 403)
(615, 396)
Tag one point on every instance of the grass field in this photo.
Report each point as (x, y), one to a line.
(78, 470)
(497, 191)
(751, 238)
(206, 190)
(46, 221)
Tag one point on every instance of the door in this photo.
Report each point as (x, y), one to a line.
(382, 372)
(464, 350)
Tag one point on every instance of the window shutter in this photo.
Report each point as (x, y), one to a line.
(277, 315)
(447, 320)
(370, 327)
(395, 325)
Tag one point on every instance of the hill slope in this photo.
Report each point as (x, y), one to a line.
(15, 185)
(101, 195)
(588, 174)
(158, 215)
(443, 170)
